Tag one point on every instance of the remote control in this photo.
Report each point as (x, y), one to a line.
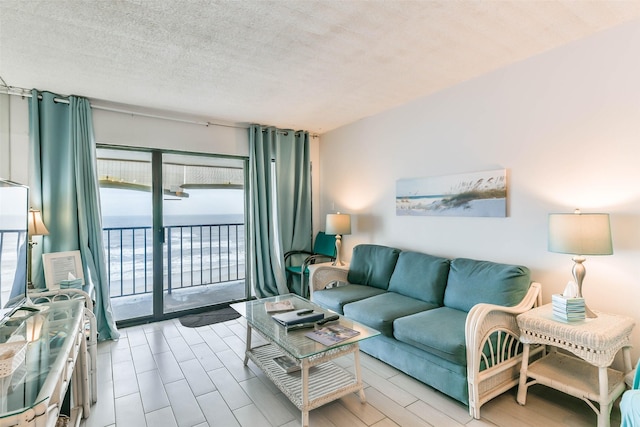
(299, 326)
(327, 320)
(303, 312)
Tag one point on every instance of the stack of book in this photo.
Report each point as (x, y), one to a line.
(568, 309)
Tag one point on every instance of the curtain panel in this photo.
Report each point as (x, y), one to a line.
(279, 204)
(64, 186)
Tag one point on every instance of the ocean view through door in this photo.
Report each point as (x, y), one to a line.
(173, 231)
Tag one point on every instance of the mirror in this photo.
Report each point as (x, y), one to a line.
(14, 242)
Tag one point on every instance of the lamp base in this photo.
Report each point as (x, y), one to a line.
(338, 261)
(578, 275)
(588, 313)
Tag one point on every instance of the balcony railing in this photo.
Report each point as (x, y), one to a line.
(193, 255)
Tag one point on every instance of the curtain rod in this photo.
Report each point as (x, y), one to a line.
(25, 93)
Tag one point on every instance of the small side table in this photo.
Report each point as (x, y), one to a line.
(588, 376)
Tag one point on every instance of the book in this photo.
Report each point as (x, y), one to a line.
(278, 306)
(287, 364)
(333, 334)
(298, 316)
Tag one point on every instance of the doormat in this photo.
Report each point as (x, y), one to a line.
(209, 317)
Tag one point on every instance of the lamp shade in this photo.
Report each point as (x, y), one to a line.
(36, 226)
(580, 234)
(338, 224)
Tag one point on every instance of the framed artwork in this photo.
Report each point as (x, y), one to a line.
(478, 194)
(63, 269)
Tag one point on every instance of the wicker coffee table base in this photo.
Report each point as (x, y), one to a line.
(319, 380)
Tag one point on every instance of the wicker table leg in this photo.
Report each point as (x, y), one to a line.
(305, 393)
(356, 360)
(248, 345)
(605, 403)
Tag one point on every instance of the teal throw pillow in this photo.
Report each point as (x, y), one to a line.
(471, 282)
(372, 265)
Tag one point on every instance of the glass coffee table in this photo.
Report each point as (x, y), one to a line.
(318, 380)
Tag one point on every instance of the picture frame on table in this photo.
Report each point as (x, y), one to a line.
(63, 269)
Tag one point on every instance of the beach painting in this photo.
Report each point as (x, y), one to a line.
(477, 194)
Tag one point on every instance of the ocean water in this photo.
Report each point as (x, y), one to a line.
(196, 246)
(171, 220)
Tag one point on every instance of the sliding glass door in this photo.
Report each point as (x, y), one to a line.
(174, 231)
(203, 216)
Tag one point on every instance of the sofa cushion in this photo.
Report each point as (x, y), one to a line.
(439, 331)
(420, 276)
(372, 265)
(471, 282)
(335, 298)
(379, 312)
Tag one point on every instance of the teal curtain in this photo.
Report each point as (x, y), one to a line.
(280, 203)
(64, 186)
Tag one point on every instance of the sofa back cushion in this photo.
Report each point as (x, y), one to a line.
(372, 265)
(471, 282)
(420, 276)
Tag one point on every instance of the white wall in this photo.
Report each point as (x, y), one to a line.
(14, 144)
(566, 126)
(140, 131)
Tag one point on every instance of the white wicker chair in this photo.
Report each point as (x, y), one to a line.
(493, 343)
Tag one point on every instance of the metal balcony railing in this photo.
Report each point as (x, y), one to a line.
(193, 255)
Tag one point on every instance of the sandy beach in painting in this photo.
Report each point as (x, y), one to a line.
(430, 207)
(481, 194)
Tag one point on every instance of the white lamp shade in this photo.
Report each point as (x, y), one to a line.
(338, 224)
(580, 234)
(36, 226)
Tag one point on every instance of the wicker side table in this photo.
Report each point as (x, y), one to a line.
(588, 376)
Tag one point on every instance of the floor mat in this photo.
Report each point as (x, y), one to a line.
(209, 317)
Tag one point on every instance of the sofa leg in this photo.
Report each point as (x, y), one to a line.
(474, 412)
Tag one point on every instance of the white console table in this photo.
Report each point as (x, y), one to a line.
(34, 393)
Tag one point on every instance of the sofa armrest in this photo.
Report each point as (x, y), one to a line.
(494, 351)
(321, 276)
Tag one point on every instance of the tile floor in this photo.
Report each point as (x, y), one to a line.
(164, 374)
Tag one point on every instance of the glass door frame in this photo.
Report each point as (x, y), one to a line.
(158, 239)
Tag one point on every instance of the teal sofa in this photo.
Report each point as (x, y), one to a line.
(449, 323)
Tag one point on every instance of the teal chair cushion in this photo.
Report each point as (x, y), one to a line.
(425, 331)
(296, 269)
(380, 311)
(420, 276)
(471, 282)
(325, 244)
(630, 408)
(372, 265)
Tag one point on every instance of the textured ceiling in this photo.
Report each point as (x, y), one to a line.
(313, 65)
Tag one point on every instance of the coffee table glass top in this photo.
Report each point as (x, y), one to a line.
(295, 342)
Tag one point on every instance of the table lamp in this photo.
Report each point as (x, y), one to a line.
(338, 224)
(35, 228)
(580, 234)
